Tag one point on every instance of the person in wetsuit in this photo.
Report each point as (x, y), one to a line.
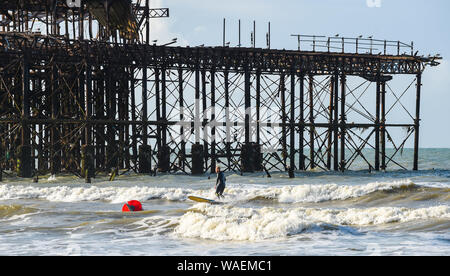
(220, 183)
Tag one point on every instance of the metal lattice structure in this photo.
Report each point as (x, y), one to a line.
(86, 105)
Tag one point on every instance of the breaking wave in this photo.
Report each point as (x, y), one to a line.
(8, 211)
(234, 192)
(226, 223)
(92, 193)
(320, 193)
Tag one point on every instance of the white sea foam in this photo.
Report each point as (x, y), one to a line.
(92, 193)
(282, 194)
(227, 223)
(318, 193)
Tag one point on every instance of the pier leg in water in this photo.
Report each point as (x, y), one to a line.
(1, 162)
(197, 159)
(36, 177)
(145, 159)
(88, 169)
(24, 165)
(291, 172)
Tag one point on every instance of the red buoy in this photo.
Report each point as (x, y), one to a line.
(132, 206)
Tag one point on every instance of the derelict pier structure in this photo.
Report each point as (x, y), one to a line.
(83, 90)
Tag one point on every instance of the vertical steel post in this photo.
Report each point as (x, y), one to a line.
(330, 123)
(254, 34)
(224, 30)
(147, 21)
(417, 123)
(336, 123)
(181, 103)
(26, 165)
(91, 32)
(258, 107)
(88, 103)
(227, 117)
(87, 150)
(158, 109)
(164, 151)
(133, 115)
(108, 31)
(343, 120)
(292, 127)
(100, 114)
(55, 162)
(284, 154)
(239, 34)
(311, 121)
(302, 123)
(80, 22)
(213, 121)
(197, 150)
(163, 107)
(197, 122)
(247, 149)
(205, 120)
(247, 101)
(111, 93)
(144, 104)
(377, 127)
(383, 125)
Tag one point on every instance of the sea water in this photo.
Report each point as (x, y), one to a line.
(317, 213)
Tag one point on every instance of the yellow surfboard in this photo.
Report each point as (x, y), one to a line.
(203, 200)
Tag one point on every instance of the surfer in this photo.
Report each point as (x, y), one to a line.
(220, 183)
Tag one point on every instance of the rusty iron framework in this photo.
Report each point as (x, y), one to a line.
(91, 105)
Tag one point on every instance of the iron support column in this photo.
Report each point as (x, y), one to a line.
(417, 123)
(336, 123)
(330, 122)
(258, 107)
(311, 121)
(55, 151)
(377, 127)
(284, 153)
(383, 125)
(227, 117)
(247, 106)
(88, 169)
(292, 128)
(302, 124)
(182, 161)
(25, 159)
(213, 122)
(197, 122)
(205, 120)
(343, 121)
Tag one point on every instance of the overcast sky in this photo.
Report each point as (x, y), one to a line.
(196, 22)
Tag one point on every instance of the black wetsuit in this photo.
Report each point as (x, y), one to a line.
(220, 184)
